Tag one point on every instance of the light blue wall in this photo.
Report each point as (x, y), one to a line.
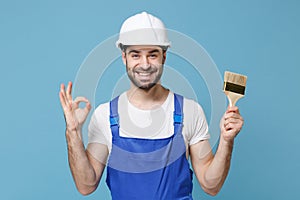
(43, 43)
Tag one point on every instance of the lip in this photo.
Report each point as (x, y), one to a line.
(144, 73)
(144, 76)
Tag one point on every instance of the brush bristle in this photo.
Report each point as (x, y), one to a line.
(235, 78)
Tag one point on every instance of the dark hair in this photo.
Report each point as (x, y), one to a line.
(124, 47)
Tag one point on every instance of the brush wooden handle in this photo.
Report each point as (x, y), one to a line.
(233, 97)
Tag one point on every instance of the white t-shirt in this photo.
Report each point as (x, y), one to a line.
(148, 124)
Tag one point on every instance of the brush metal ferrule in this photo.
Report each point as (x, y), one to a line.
(231, 87)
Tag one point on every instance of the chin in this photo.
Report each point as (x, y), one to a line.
(147, 86)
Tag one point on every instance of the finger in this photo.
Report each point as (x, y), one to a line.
(62, 98)
(230, 126)
(233, 109)
(69, 91)
(233, 133)
(234, 123)
(232, 115)
(79, 100)
(64, 101)
(63, 90)
(62, 95)
(62, 87)
(232, 129)
(231, 120)
(88, 107)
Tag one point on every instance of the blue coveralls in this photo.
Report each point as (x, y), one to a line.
(149, 169)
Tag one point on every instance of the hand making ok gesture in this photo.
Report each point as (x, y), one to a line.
(74, 115)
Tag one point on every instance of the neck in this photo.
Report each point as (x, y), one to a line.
(147, 99)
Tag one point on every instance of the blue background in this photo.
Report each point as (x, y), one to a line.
(43, 43)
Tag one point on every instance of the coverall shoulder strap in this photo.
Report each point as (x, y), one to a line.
(114, 116)
(178, 113)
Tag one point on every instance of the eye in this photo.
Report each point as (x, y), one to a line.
(153, 56)
(135, 56)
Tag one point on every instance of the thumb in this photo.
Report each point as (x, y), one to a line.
(234, 109)
(79, 100)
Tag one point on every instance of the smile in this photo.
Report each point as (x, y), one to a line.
(144, 73)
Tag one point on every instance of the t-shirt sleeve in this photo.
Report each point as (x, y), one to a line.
(97, 129)
(198, 127)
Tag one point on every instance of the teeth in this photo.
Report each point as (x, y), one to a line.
(143, 74)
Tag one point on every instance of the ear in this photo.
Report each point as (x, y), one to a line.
(124, 57)
(164, 57)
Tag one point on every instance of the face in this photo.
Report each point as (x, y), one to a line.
(144, 65)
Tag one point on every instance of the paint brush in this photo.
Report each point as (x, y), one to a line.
(234, 86)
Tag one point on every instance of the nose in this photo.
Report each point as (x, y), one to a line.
(145, 64)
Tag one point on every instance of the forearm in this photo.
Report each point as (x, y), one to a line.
(217, 170)
(83, 173)
(212, 170)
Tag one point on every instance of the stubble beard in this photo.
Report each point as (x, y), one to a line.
(140, 85)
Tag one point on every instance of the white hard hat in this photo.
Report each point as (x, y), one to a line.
(143, 29)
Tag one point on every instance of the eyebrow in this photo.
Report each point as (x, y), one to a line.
(154, 51)
(137, 51)
(133, 51)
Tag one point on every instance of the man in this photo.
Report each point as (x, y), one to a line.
(147, 133)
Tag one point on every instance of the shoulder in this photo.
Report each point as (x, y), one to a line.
(191, 106)
(193, 112)
(104, 108)
(194, 120)
(101, 109)
(101, 113)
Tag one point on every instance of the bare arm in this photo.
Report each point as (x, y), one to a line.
(211, 170)
(86, 170)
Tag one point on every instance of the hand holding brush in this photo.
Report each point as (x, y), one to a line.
(232, 121)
